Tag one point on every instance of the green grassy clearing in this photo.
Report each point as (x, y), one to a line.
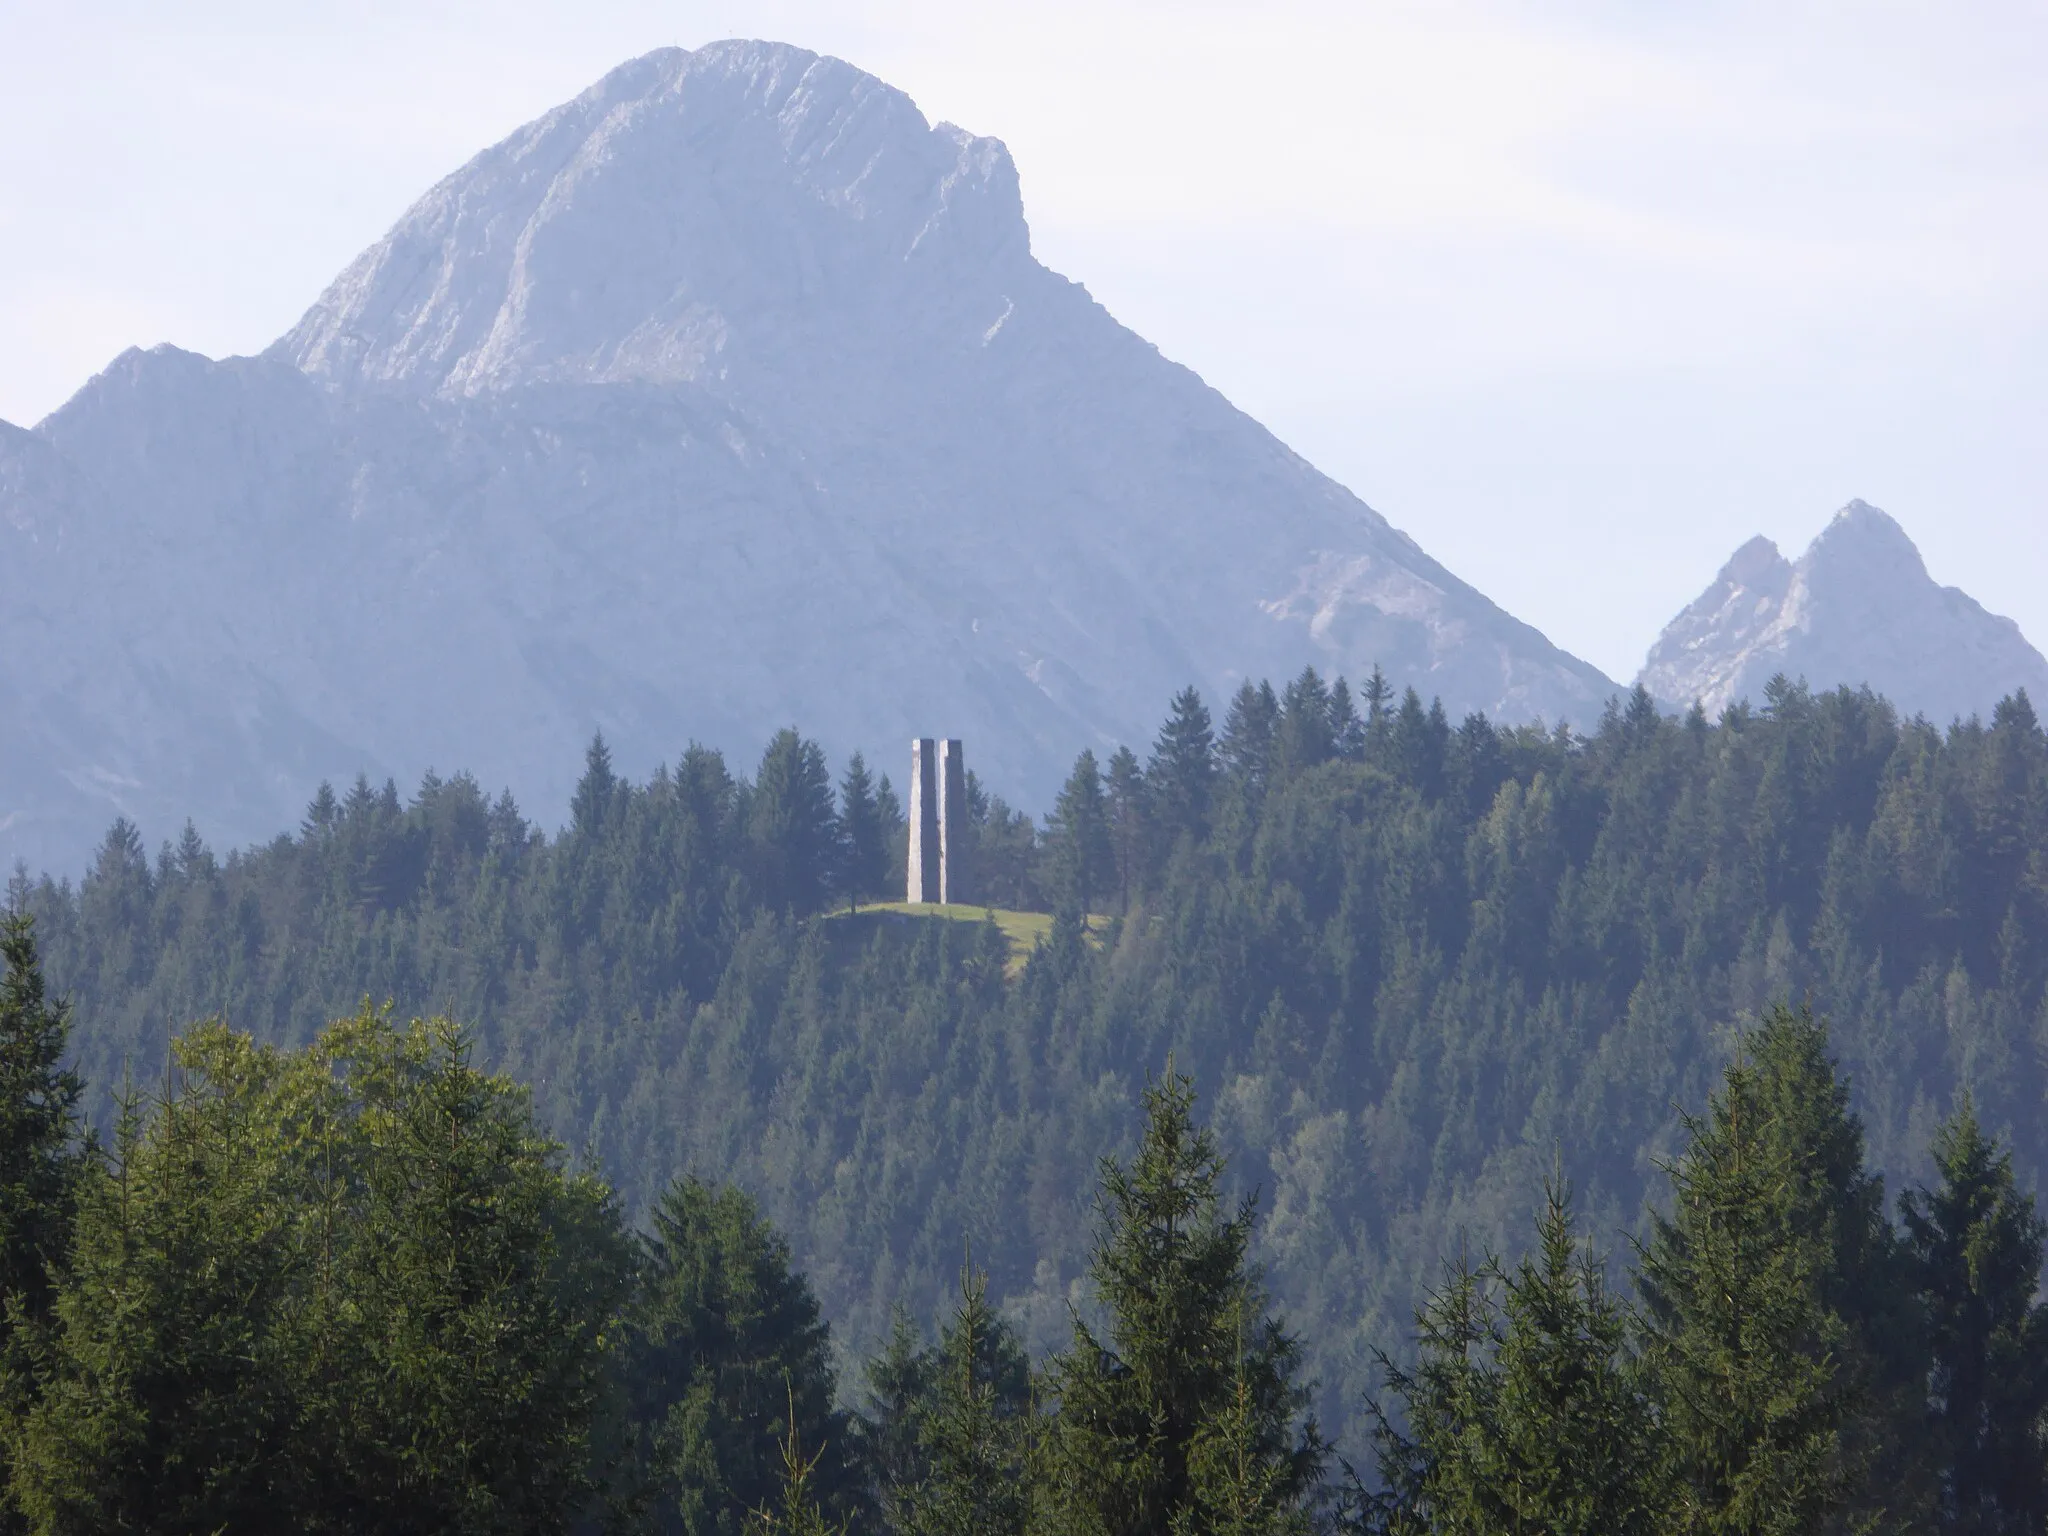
(1024, 930)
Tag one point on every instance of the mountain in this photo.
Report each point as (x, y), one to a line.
(725, 395)
(1858, 607)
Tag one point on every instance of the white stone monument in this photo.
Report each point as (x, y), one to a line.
(926, 846)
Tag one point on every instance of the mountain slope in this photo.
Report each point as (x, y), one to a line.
(727, 394)
(1858, 607)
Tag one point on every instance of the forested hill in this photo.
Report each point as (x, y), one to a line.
(1408, 963)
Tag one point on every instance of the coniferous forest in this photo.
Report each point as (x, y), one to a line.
(1439, 1127)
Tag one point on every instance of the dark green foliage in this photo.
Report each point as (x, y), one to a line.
(727, 1370)
(865, 833)
(1003, 851)
(348, 1289)
(1189, 1377)
(969, 1474)
(1976, 1249)
(1305, 735)
(1248, 731)
(1130, 825)
(1781, 1332)
(39, 1127)
(1525, 1410)
(797, 1512)
(792, 835)
(41, 1159)
(1180, 777)
(1401, 976)
(1083, 853)
(889, 1427)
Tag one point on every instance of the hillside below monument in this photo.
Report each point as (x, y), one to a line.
(726, 395)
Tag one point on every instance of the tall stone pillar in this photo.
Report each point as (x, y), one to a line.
(955, 879)
(925, 847)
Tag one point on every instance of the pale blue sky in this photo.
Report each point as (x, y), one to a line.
(1581, 295)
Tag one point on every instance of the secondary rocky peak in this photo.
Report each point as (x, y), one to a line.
(1756, 565)
(675, 216)
(1858, 607)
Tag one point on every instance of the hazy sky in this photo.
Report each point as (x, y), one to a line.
(1579, 295)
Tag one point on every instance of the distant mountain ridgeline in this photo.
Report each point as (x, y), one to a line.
(1408, 962)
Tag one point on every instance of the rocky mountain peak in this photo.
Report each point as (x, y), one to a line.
(724, 396)
(1858, 607)
(1756, 565)
(1864, 550)
(676, 216)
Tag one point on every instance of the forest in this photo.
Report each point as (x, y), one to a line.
(1762, 992)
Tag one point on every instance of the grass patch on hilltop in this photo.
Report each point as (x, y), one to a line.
(1024, 930)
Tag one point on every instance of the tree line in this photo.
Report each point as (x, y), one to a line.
(353, 1287)
(1416, 968)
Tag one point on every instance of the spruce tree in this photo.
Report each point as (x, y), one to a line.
(863, 835)
(1347, 731)
(39, 1127)
(1084, 857)
(41, 1160)
(889, 1426)
(1976, 1245)
(1236, 1485)
(596, 791)
(1187, 1337)
(1375, 690)
(791, 830)
(1777, 1316)
(1180, 776)
(1575, 1453)
(1525, 1411)
(1246, 750)
(1430, 1454)
(796, 1510)
(727, 1359)
(1302, 737)
(1129, 824)
(974, 1440)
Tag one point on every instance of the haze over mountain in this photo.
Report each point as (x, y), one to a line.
(1858, 607)
(727, 395)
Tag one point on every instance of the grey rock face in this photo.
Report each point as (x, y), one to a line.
(726, 395)
(1858, 607)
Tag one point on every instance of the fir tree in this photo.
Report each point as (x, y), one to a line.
(40, 1152)
(863, 834)
(1347, 731)
(791, 830)
(1775, 1305)
(1237, 1485)
(1431, 1459)
(1976, 1245)
(1180, 776)
(1084, 856)
(890, 1425)
(1247, 746)
(974, 1439)
(595, 791)
(796, 1512)
(1576, 1454)
(1302, 737)
(1129, 824)
(1187, 1334)
(728, 1364)
(1526, 1411)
